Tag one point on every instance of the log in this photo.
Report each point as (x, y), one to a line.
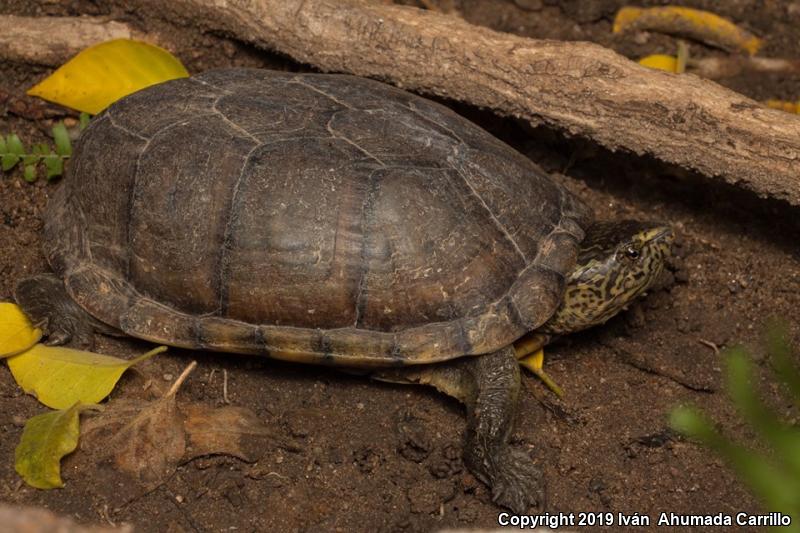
(51, 41)
(581, 88)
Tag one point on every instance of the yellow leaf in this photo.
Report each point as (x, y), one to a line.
(783, 105)
(660, 62)
(60, 377)
(701, 25)
(45, 440)
(17, 334)
(105, 72)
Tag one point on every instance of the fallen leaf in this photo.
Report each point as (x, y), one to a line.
(229, 430)
(59, 377)
(660, 62)
(150, 446)
(17, 334)
(144, 440)
(45, 440)
(783, 105)
(102, 74)
(697, 24)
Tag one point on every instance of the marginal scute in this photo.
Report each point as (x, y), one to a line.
(316, 218)
(101, 292)
(544, 292)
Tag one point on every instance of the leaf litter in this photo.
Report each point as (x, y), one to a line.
(148, 440)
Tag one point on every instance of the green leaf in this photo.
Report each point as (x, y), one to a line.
(15, 145)
(2, 144)
(41, 149)
(59, 377)
(61, 138)
(29, 173)
(8, 161)
(83, 120)
(45, 440)
(54, 166)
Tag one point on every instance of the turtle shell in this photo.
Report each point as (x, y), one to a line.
(309, 217)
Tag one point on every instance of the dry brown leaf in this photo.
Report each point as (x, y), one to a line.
(230, 430)
(150, 446)
(145, 440)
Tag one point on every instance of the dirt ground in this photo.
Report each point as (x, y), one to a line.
(378, 457)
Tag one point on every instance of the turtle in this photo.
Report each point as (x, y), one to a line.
(335, 220)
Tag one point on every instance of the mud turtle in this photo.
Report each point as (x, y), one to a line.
(337, 220)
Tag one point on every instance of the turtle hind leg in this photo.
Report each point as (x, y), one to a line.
(45, 300)
(488, 385)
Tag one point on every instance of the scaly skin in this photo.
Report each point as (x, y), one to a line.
(617, 262)
(488, 386)
(47, 304)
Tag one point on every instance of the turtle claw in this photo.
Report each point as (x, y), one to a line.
(58, 338)
(83, 340)
(516, 482)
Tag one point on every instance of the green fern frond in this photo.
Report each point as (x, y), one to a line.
(40, 156)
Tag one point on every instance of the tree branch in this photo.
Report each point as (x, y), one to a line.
(581, 88)
(52, 41)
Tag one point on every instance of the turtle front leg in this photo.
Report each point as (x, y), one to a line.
(46, 302)
(488, 385)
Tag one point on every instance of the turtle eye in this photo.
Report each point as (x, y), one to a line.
(631, 252)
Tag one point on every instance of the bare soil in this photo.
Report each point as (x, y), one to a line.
(377, 457)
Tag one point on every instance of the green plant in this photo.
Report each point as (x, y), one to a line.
(774, 476)
(13, 152)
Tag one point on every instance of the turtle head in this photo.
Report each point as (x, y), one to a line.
(617, 262)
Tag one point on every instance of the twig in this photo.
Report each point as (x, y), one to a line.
(710, 345)
(178, 382)
(641, 363)
(727, 67)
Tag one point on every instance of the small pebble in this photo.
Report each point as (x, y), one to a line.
(168, 377)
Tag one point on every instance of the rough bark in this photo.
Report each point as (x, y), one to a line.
(581, 88)
(52, 41)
